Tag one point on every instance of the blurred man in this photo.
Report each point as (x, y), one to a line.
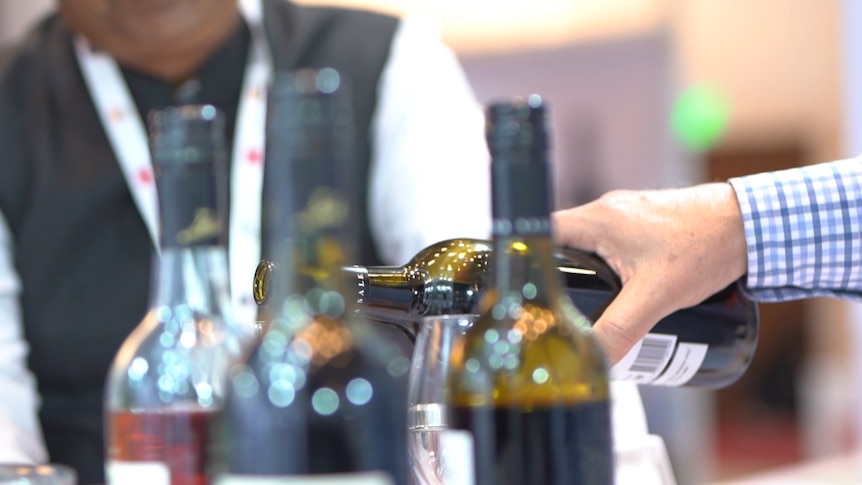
(77, 221)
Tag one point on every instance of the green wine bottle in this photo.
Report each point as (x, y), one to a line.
(529, 384)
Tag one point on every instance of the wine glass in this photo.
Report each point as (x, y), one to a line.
(428, 397)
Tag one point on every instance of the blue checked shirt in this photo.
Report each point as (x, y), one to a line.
(803, 228)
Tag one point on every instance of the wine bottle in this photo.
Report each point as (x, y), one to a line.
(450, 277)
(168, 377)
(315, 400)
(528, 383)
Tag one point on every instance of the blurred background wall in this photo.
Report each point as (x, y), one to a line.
(16, 16)
(778, 80)
(852, 104)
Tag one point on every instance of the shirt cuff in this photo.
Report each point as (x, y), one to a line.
(802, 230)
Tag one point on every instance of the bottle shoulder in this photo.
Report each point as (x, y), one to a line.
(166, 362)
(535, 355)
(453, 260)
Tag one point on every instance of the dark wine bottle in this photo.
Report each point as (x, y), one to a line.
(528, 382)
(315, 400)
(167, 379)
(451, 276)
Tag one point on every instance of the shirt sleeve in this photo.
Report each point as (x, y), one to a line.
(430, 168)
(802, 229)
(20, 433)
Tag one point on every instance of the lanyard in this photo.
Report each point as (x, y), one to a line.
(128, 139)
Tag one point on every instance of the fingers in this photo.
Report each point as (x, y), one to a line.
(628, 318)
(572, 229)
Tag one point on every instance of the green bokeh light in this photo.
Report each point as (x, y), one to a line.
(699, 117)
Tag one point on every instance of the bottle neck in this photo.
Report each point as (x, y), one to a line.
(386, 294)
(383, 293)
(524, 267)
(444, 278)
(192, 279)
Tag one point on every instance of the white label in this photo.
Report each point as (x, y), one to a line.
(458, 466)
(646, 360)
(137, 473)
(369, 478)
(686, 362)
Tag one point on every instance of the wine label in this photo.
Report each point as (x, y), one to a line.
(137, 473)
(194, 197)
(458, 465)
(685, 364)
(660, 359)
(360, 284)
(369, 478)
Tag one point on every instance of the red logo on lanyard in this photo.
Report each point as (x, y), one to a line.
(115, 115)
(145, 176)
(253, 156)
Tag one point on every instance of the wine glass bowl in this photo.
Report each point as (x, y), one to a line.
(428, 394)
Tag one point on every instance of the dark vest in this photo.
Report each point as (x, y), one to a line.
(81, 248)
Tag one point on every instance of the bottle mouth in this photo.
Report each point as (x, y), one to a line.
(187, 134)
(308, 81)
(517, 129)
(262, 281)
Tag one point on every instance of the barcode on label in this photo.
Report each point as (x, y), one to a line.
(646, 360)
(653, 355)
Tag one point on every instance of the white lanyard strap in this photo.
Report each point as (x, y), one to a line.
(128, 138)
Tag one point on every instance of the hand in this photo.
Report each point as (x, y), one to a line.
(671, 248)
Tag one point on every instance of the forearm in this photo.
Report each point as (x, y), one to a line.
(803, 230)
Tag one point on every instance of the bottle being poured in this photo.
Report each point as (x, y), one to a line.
(709, 345)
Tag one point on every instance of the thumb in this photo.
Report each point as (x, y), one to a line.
(630, 316)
